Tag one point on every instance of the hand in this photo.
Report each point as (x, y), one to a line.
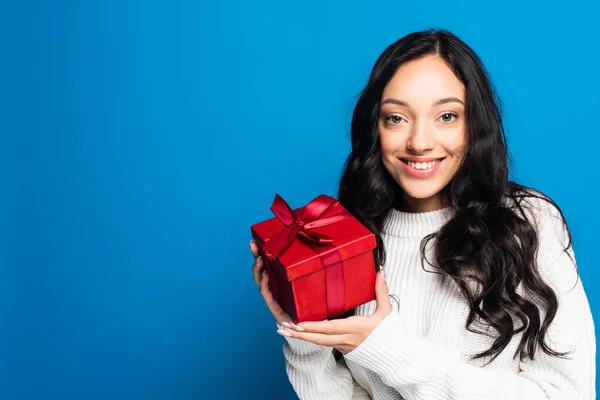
(261, 278)
(348, 333)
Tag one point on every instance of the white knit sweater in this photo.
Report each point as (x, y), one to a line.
(422, 349)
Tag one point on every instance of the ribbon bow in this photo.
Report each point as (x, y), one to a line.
(321, 211)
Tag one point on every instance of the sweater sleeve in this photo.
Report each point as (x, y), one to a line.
(418, 368)
(315, 374)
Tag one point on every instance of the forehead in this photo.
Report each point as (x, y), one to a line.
(424, 80)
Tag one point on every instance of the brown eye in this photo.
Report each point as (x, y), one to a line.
(448, 117)
(394, 119)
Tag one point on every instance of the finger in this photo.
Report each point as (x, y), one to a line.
(272, 304)
(382, 294)
(254, 249)
(257, 269)
(319, 338)
(333, 327)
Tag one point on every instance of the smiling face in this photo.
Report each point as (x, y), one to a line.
(423, 130)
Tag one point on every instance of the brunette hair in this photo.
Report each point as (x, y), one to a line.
(490, 240)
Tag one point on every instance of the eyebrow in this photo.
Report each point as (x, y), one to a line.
(437, 103)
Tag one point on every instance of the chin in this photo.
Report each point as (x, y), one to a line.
(422, 196)
(421, 193)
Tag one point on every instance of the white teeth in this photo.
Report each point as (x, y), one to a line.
(423, 165)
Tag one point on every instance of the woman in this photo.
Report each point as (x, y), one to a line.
(487, 302)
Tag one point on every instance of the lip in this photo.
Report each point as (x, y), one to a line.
(421, 159)
(422, 173)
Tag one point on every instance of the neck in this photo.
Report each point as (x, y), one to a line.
(413, 205)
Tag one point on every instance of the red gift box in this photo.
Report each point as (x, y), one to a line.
(319, 258)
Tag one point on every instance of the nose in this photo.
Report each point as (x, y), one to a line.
(421, 139)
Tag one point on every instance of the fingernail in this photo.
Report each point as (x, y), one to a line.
(258, 259)
(297, 328)
(284, 333)
(286, 324)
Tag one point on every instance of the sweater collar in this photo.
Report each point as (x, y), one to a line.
(416, 225)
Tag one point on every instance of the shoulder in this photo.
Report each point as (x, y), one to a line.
(542, 212)
(554, 256)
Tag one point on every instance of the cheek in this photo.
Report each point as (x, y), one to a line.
(386, 147)
(459, 152)
(389, 143)
(389, 147)
(456, 144)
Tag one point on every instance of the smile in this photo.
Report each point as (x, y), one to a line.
(422, 169)
(423, 165)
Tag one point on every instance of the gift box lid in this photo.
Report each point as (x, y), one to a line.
(350, 238)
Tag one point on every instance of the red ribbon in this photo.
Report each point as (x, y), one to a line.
(323, 210)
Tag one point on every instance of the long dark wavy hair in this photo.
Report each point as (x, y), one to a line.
(489, 241)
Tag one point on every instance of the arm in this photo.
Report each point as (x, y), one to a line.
(312, 369)
(417, 368)
(315, 374)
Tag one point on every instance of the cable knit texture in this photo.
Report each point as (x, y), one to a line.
(422, 349)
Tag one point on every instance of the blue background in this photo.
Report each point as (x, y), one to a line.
(142, 139)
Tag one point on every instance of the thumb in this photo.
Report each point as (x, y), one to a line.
(381, 293)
